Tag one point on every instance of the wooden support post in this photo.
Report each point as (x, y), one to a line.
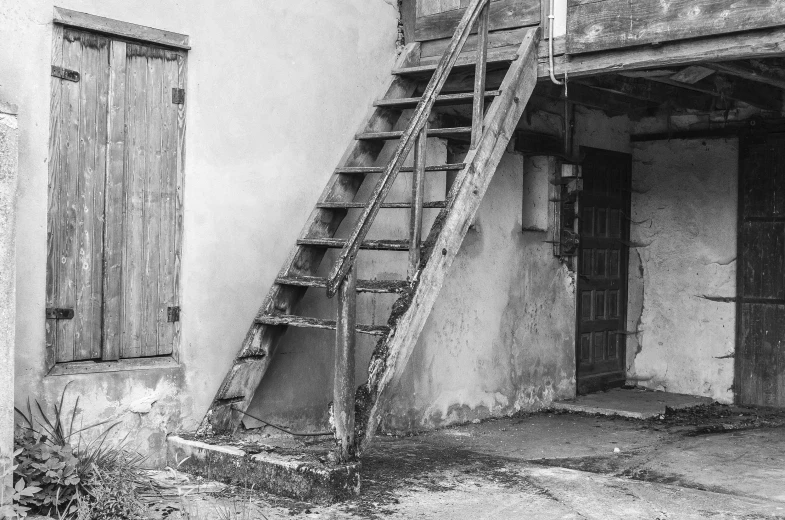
(343, 385)
(418, 182)
(478, 112)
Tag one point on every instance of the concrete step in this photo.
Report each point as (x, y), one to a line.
(299, 472)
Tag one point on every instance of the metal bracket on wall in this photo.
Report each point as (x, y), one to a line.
(178, 96)
(55, 313)
(66, 74)
(173, 314)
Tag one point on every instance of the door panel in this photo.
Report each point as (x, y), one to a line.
(437, 19)
(760, 342)
(602, 269)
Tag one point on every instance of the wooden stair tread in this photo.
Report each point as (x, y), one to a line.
(380, 169)
(437, 204)
(502, 57)
(445, 99)
(432, 132)
(364, 286)
(317, 323)
(338, 243)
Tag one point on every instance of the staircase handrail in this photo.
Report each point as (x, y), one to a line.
(422, 113)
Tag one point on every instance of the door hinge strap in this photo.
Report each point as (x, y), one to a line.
(66, 74)
(55, 313)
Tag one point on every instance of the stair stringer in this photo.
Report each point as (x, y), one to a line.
(260, 343)
(411, 311)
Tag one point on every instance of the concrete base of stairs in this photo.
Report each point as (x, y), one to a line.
(299, 473)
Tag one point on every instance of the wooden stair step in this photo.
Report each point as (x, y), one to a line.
(445, 99)
(437, 204)
(363, 286)
(338, 243)
(366, 170)
(504, 57)
(432, 132)
(316, 323)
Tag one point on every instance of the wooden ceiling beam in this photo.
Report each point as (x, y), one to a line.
(612, 104)
(754, 94)
(650, 92)
(746, 71)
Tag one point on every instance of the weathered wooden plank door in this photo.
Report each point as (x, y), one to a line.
(760, 310)
(437, 19)
(602, 269)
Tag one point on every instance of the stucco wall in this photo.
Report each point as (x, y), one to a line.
(276, 90)
(684, 224)
(8, 183)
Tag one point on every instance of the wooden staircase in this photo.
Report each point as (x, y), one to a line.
(494, 115)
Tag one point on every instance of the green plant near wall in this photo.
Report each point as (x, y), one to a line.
(11, 496)
(60, 475)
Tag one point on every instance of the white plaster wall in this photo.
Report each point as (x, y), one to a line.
(501, 336)
(276, 90)
(684, 220)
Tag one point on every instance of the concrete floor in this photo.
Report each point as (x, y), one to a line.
(562, 465)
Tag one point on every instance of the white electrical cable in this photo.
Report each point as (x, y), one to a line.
(551, 17)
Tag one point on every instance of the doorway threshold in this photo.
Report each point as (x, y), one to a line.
(633, 403)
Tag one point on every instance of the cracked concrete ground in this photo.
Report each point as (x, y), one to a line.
(559, 465)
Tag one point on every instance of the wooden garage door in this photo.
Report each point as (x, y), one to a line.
(437, 19)
(760, 342)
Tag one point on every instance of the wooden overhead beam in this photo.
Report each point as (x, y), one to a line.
(613, 104)
(746, 71)
(757, 95)
(765, 43)
(650, 92)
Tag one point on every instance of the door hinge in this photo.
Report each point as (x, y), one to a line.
(173, 314)
(178, 96)
(66, 74)
(55, 313)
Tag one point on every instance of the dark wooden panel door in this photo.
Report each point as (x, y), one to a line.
(760, 315)
(437, 19)
(602, 269)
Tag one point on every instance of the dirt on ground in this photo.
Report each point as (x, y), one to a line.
(713, 461)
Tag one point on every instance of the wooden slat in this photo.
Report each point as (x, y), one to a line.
(418, 185)
(98, 179)
(167, 250)
(133, 231)
(315, 323)
(505, 14)
(610, 24)
(509, 39)
(444, 99)
(114, 203)
(377, 245)
(56, 162)
(387, 205)
(726, 47)
(478, 108)
(182, 80)
(501, 57)
(747, 71)
(152, 312)
(363, 286)
(432, 132)
(365, 170)
(66, 291)
(124, 29)
(391, 356)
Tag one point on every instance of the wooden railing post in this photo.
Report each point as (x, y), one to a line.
(478, 112)
(343, 385)
(418, 183)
